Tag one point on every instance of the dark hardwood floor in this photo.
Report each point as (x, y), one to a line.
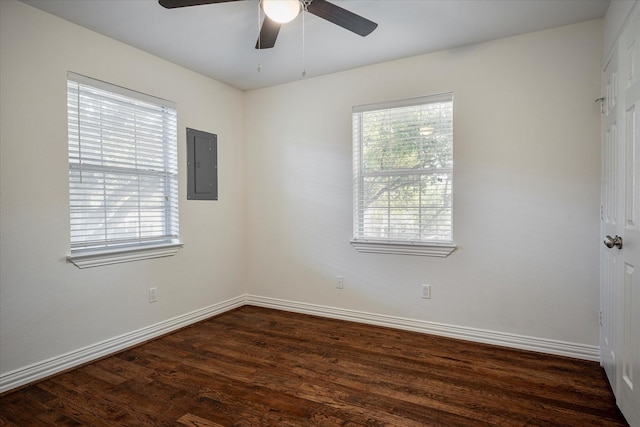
(260, 367)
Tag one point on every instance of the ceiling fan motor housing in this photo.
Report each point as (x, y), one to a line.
(271, 27)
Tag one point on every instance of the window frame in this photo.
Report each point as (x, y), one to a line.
(424, 247)
(113, 251)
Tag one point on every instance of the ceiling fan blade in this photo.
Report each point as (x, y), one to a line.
(172, 4)
(342, 17)
(268, 34)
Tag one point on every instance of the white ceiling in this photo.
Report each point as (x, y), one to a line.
(218, 40)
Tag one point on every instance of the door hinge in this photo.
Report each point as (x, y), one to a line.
(600, 318)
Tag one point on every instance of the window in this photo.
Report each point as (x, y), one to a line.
(123, 186)
(403, 170)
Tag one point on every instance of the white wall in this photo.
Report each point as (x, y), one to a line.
(527, 167)
(526, 188)
(49, 307)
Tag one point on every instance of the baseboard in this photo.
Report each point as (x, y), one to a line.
(542, 345)
(46, 368)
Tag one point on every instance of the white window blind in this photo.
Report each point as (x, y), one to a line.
(122, 167)
(403, 165)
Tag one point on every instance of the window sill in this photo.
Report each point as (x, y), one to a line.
(440, 250)
(108, 257)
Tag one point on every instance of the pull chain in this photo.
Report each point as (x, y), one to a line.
(259, 41)
(304, 70)
(305, 4)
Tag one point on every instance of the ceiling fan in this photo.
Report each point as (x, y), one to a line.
(272, 22)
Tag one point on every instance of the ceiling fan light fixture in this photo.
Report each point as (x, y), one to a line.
(281, 11)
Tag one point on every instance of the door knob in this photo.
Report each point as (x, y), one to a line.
(610, 242)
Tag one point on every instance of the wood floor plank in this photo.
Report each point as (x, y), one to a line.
(194, 421)
(259, 367)
(6, 422)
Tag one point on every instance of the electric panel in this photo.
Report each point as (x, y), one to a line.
(202, 165)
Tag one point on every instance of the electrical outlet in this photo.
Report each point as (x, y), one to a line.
(153, 295)
(339, 282)
(426, 291)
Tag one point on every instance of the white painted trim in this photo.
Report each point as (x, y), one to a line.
(441, 250)
(616, 19)
(54, 365)
(100, 258)
(542, 345)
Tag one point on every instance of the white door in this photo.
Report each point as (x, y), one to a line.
(620, 222)
(609, 222)
(629, 357)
